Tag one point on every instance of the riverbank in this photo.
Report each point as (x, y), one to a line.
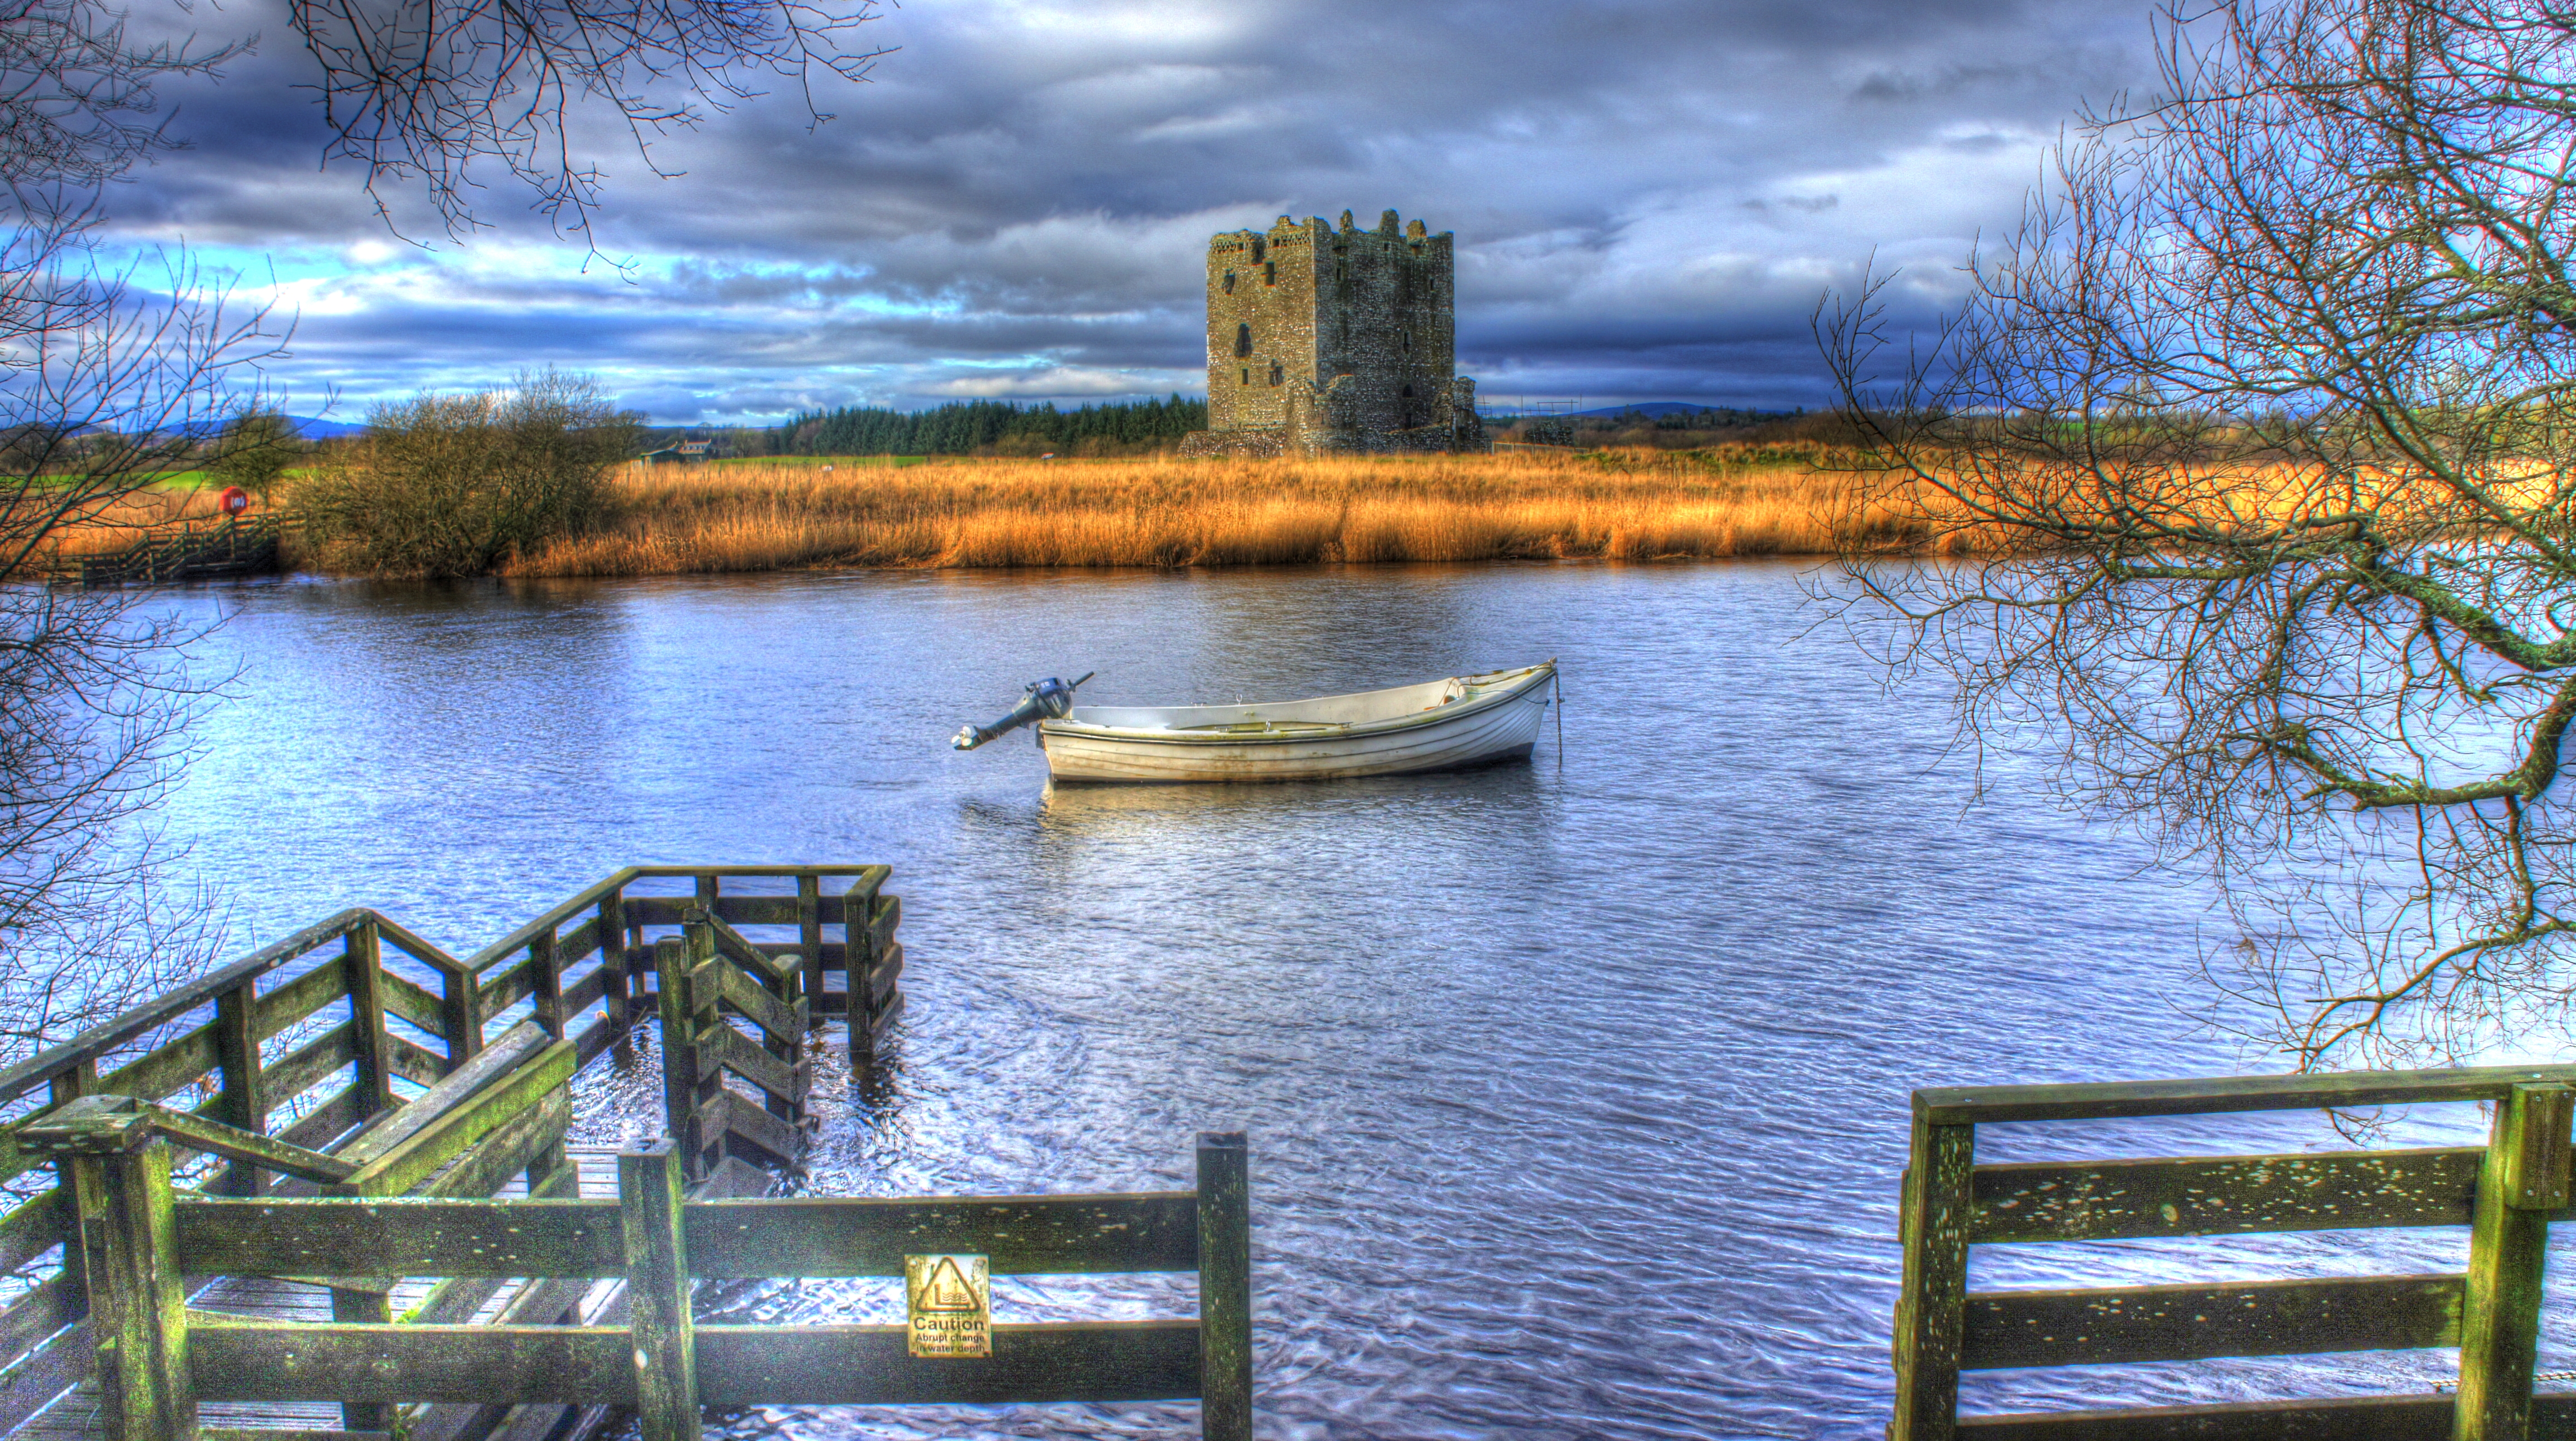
(1165, 512)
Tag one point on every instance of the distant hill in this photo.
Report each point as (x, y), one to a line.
(315, 428)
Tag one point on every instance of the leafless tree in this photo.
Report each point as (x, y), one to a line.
(2262, 430)
(423, 93)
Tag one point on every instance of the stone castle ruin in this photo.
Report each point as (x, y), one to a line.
(1322, 339)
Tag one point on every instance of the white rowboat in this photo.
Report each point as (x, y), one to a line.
(1442, 725)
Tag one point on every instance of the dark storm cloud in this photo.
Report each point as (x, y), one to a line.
(1648, 197)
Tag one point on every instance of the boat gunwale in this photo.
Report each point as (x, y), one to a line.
(1531, 678)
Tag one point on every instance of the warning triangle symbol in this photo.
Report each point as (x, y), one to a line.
(947, 1290)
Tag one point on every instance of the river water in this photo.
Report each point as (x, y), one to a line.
(1576, 1090)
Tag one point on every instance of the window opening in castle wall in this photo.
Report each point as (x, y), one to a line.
(1229, 282)
(1278, 373)
(1270, 272)
(1243, 340)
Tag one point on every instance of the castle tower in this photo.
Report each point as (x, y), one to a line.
(1333, 338)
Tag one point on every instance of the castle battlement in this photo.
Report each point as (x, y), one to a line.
(1324, 337)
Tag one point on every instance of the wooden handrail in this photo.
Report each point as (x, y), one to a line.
(2104, 1100)
(89, 1045)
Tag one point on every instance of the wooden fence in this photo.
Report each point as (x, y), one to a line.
(227, 548)
(355, 1058)
(165, 1358)
(2506, 1192)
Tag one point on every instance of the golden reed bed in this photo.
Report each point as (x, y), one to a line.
(1171, 512)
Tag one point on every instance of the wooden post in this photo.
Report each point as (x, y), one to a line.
(362, 956)
(130, 1243)
(649, 1190)
(464, 1018)
(710, 887)
(369, 1308)
(858, 963)
(809, 941)
(681, 1068)
(243, 1103)
(1932, 1298)
(71, 1085)
(1225, 1286)
(2523, 1179)
(547, 978)
(613, 989)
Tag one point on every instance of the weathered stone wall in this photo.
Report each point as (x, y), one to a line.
(1335, 339)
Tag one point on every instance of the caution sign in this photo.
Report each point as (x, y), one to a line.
(949, 1303)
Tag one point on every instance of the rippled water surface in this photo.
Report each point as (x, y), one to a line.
(1577, 1090)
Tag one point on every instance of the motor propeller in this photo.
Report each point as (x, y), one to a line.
(1047, 699)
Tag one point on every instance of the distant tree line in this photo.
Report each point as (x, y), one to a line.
(965, 427)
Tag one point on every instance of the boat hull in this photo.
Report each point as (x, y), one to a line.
(1489, 729)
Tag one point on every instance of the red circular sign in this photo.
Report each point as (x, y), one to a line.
(234, 500)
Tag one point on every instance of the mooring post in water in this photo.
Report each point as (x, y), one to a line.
(138, 1306)
(1225, 1286)
(2521, 1181)
(649, 1190)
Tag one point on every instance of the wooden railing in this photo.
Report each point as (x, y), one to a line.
(355, 1057)
(2506, 1192)
(164, 1358)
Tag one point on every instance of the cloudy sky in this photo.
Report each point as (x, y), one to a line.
(1649, 197)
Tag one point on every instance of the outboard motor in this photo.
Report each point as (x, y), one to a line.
(1047, 699)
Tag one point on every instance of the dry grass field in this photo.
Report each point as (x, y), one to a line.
(1164, 512)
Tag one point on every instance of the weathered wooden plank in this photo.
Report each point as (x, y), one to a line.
(280, 1433)
(576, 943)
(656, 1258)
(36, 1316)
(454, 1301)
(33, 1228)
(540, 1304)
(740, 1120)
(756, 910)
(1024, 1235)
(32, 1382)
(68, 1130)
(233, 1360)
(881, 981)
(883, 919)
(509, 987)
(1932, 1224)
(2102, 1100)
(587, 992)
(435, 957)
(415, 1003)
(301, 997)
(1225, 1286)
(516, 1145)
(865, 883)
(327, 1122)
(453, 1089)
(400, 1236)
(2347, 1418)
(310, 1064)
(734, 947)
(414, 1160)
(416, 1064)
(157, 1073)
(721, 1046)
(870, 1365)
(2183, 1323)
(2499, 1334)
(2224, 1195)
(775, 1017)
